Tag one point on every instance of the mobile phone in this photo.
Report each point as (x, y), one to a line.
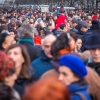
(39, 20)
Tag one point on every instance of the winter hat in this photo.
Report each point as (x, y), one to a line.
(6, 66)
(75, 64)
(94, 41)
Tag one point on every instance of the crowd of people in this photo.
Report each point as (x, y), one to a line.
(49, 55)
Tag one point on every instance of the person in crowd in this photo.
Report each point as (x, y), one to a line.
(74, 24)
(78, 43)
(20, 18)
(7, 78)
(50, 27)
(93, 81)
(61, 19)
(72, 73)
(26, 34)
(31, 21)
(3, 27)
(5, 40)
(94, 48)
(62, 9)
(95, 25)
(43, 64)
(63, 45)
(46, 89)
(81, 28)
(63, 28)
(18, 24)
(12, 24)
(13, 33)
(40, 24)
(44, 16)
(90, 23)
(24, 72)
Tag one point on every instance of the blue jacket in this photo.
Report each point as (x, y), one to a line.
(41, 65)
(76, 88)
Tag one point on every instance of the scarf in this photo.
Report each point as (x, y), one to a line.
(23, 40)
(95, 66)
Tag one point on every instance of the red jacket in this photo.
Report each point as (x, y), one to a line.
(37, 40)
(61, 19)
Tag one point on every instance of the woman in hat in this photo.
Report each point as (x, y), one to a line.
(7, 78)
(72, 73)
(22, 64)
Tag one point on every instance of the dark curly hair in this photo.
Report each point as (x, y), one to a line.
(61, 42)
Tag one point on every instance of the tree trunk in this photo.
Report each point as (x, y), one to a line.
(96, 4)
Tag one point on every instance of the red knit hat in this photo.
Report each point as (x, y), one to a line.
(6, 66)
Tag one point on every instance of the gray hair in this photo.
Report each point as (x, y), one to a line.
(26, 31)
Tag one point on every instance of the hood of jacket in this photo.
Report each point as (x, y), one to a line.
(75, 87)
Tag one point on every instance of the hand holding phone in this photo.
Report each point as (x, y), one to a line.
(39, 20)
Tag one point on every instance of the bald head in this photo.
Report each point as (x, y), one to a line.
(49, 38)
(47, 43)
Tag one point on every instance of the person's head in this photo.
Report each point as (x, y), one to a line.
(63, 44)
(94, 47)
(12, 33)
(2, 18)
(46, 89)
(47, 43)
(18, 24)
(22, 61)
(90, 23)
(74, 23)
(78, 42)
(6, 92)
(31, 21)
(93, 81)
(50, 27)
(20, 18)
(7, 72)
(55, 17)
(72, 69)
(44, 15)
(13, 20)
(64, 27)
(84, 26)
(3, 27)
(5, 40)
(26, 31)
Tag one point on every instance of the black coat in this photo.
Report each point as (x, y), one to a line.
(93, 65)
(34, 51)
(20, 84)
